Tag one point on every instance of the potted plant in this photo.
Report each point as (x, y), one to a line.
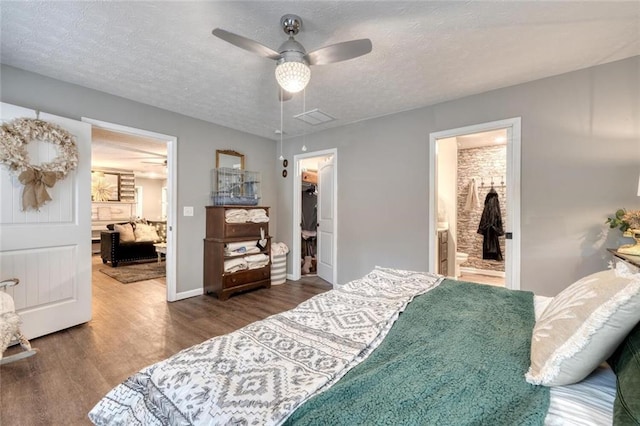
(629, 223)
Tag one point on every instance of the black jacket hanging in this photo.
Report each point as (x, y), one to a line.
(491, 227)
(309, 209)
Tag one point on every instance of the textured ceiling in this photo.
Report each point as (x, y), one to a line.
(163, 53)
(115, 151)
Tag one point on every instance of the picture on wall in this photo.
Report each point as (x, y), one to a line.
(105, 186)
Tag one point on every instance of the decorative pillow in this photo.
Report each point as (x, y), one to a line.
(110, 226)
(625, 362)
(583, 325)
(161, 229)
(144, 233)
(126, 232)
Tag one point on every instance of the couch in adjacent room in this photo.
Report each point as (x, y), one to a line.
(131, 241)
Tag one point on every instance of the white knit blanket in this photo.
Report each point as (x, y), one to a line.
(264, 371)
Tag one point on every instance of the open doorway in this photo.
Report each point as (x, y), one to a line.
(147, 161)
(474, 171)
(315, 216)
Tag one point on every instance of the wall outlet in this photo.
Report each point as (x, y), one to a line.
(187, 211)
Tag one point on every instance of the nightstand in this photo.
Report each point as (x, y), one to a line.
(634, 260)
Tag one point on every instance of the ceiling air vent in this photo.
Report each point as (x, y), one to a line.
(314, 117)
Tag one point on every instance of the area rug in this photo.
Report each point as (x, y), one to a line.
(136, 272)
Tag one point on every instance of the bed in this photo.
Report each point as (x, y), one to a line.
(404, 347)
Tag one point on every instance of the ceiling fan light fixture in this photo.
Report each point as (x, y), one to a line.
(293, 76)
(293, 61)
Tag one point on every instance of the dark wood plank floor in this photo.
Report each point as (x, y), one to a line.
(132, 326)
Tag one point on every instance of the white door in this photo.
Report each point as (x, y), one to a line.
(48, 250)
(326, 221)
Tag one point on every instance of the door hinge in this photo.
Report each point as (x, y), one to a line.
(508, 235)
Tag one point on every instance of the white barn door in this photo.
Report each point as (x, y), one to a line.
(48, 250)
(326, 221)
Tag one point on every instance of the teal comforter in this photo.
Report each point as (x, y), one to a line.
(456, 356)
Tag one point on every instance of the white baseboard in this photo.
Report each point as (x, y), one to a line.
(190, 293)
(482, 272)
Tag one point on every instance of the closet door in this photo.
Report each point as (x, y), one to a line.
(326, 221)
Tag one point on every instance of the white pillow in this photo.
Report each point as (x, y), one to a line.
(126, 232)
(583, 325)
(145, 233)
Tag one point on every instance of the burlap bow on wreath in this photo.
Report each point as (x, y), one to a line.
(35, 187)
(15, 135)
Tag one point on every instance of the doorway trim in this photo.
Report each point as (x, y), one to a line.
(297, 211)
(172, 173)
(512, 246)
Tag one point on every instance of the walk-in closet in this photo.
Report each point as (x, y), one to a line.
(309, 222)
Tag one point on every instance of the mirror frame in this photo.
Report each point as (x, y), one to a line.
(231, 153)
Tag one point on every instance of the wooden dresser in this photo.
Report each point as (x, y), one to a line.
(219, 233)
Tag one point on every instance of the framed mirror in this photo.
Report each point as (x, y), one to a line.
(230, 159)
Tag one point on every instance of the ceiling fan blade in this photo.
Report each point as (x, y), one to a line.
(339, 52)
(246, 43)
(284, 96)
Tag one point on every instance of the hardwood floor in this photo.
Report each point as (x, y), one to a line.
(482, 279)
(132, 326)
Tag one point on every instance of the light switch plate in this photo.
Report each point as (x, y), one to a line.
(187, 211)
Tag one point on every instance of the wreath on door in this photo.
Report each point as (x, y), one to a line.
(14, 137)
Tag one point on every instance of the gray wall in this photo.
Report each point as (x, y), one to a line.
(197, 144)
(580, 162)
(151, 197)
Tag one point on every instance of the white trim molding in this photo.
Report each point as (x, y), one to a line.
(297, 201)
(513, 128)
(172, 185)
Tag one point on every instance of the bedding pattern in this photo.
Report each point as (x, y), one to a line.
(264, 371)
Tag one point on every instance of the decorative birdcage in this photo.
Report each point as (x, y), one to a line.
(235, 187)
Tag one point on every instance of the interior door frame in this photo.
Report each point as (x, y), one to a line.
(296, 246)
(512, 246)
(172, 173)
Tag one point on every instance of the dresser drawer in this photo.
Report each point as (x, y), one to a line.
(217, 226)
(243, 277)
(235, 230)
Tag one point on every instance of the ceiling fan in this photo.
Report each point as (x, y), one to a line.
(155, 162)
(292, 60)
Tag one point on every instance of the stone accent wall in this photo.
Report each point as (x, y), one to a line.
(484, 163)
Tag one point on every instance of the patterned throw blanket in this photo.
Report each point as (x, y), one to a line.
(264, 371)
